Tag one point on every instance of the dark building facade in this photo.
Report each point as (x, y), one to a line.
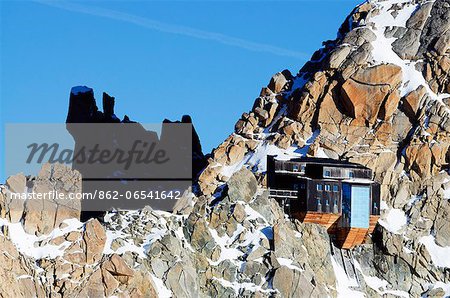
(338, 194)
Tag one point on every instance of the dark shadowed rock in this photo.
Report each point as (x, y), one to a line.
(83, 109)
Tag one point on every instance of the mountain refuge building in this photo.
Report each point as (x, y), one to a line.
(337, 194)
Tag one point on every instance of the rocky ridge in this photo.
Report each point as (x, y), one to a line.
(356, 99)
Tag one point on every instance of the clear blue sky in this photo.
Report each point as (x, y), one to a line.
(160, 59)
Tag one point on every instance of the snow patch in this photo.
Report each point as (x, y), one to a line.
(237, 287)
(252, 214)
(226, 253)
(288, 263)
(163, 291)
(445, 287)
(379, 285)
(343, 283)
(321, 153)
(446, 186)
(414, 199)
(439, 254)
(27, 244)
(382, 47)
(257, 160)
(156, 233)
(394, 220)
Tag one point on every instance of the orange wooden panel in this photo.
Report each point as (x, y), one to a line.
(344, 237)
(325, 219)
(372, 223)
(349, 238)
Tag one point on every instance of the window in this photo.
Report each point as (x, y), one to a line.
(375, 209)
(319, 205)
(327, 173)
(326, 207)
(360, 206)
(319, 187)
(295, 168)
(335, 206)
(302, 186)
(327, 187)
(351, 174)
(295, 186)
(303, 168)
(335, 188)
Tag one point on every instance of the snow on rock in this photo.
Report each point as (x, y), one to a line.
(447, 194)
(321, 153)
(237, 287)
(80, 89)
(257, 160)
(394, 220)
(382, 47)
(288, 263)
(226, 252)
(117, 231)
(414, 199)
(252, 213)
(344, 283)
(163, 291)
(443, 286)
(439, 255)
(446, 185)
(28, 244)
(379, 285)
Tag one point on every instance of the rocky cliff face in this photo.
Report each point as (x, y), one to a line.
(379, 90)
(377, 95)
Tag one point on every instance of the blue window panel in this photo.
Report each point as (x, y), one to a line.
(346, 204)
(360, 206)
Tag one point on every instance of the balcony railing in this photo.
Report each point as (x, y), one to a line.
(283, 194)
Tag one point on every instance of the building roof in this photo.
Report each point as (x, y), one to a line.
(324, 162)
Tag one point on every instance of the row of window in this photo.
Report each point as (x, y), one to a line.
(327, 173)
(319, 202)
(334, 208)
(319, 187)
(295, 168)
(300, 186)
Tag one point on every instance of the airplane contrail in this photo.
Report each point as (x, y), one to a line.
(175, 29)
